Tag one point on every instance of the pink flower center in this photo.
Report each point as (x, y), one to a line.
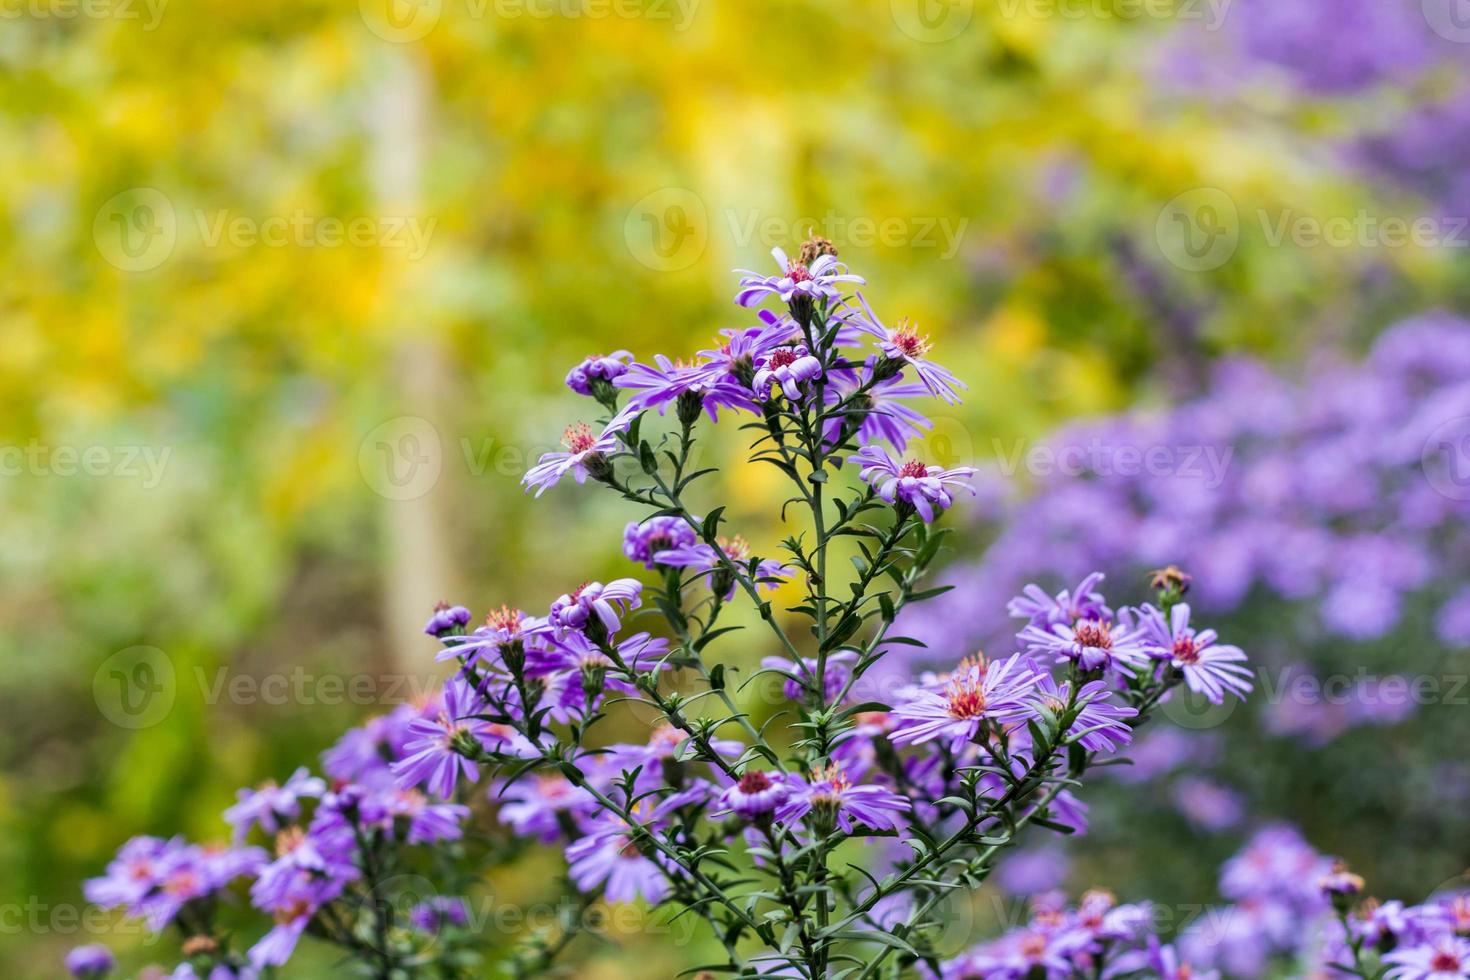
(906, 338)
(782, 357)
(754, 781)
(915, 469)
(1033, 946)
(578, 438)
(1091, 633)
(836, 783)
(1185, 651)
(1444, 962)
(966, 698)
(797, 272)
(505, 619)
(737, 548)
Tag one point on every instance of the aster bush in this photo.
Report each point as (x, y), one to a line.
(819, 843)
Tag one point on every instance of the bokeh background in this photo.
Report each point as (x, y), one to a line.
(290, 288)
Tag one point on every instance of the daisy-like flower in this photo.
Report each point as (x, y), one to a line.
(596, 604)
(1100, 725)
(797, 281)
(585, 672)
(789, 368)
(1211, 669)
(427, 821)
(270, 806)
(756, 795)
(598, 368)
(1445, 958)
(609, 855)
(536, 804)
(1094, 644)
(838, 802)
(1064, 608)
(586, 453)
(978, 691)
(912, 484)
(643, 541)
(877, 413)
(500, 642)
(433, 758)
(736, 357)
(769, 573)
(665, 382)
(902, 347)
(311, 870)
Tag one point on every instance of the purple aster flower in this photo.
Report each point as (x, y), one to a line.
(787, 367)
(904, 348)
(432, 755)
(90, 962)
(500, 644)
(604, 368)
(439, 913)
(666, 382)
(154, 879)
(1209, 668)
(1100, 725)
(1064, 608)
(610, 856)
(270, 806)
(743, 348)
(757, 794)
(584, 672)
(769, 573)
(312, 870)
(912, 484)
(427, 821)
(132, 874)
(1094, 644)
(446, 619)
(644, 540)
(538, 805)
(595, 603)
(879, 414)
(977, 692)
(1445, 958)
(797, 281)
(801, 675)
(585, 453)
(838, 802)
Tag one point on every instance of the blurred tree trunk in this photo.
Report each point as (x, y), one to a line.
(417, 561)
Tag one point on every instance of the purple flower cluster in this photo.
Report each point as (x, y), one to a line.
(1290, 912)
(1291, 905)
(1348, 50)
(1324, 493)
(1097, 937)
